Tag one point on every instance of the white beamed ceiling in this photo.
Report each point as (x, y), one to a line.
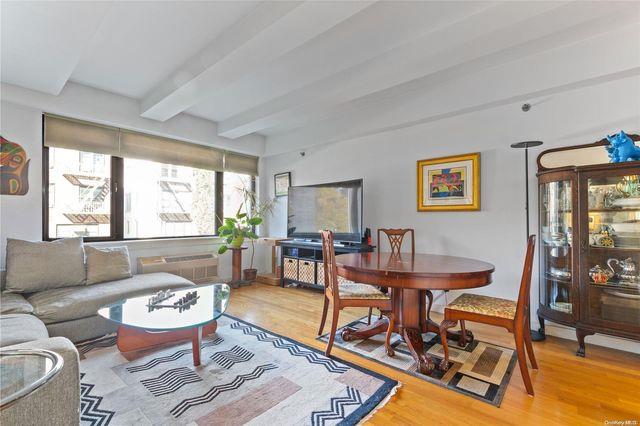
(308, 73)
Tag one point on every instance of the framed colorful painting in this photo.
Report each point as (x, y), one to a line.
(449, 183)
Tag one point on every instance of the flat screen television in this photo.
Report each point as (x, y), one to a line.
(334, 206)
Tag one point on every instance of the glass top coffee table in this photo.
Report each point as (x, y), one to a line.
(22, 371)
(188, 313)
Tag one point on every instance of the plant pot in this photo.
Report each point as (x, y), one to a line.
(250, 274)
(237, 241)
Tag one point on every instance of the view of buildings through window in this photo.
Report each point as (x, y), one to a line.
(79, 194)
(160, 200)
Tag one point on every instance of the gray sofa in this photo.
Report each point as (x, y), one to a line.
(55, 319)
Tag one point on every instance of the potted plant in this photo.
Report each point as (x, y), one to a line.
(236, 230)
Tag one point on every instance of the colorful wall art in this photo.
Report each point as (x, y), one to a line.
(14, 169)
(449, 183)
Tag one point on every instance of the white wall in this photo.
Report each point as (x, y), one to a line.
(21, 122)
(387, 163)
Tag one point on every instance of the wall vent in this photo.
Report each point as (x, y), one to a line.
(199, 268)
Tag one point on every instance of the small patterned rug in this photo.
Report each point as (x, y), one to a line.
(248, 376)
(481, 370)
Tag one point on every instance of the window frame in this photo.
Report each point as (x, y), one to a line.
(117, 202)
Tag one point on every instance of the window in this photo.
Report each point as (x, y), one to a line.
(234, 183)
(111, 184)
(79, 201)
(163, 200)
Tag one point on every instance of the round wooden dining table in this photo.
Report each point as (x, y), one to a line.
(410, 276)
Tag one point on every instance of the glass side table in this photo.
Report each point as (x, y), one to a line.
(22, 371)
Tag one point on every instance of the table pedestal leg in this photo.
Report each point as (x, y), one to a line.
(377, 327)
(413, 339)
(409, 304)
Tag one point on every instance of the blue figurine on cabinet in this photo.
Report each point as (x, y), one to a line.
(621, 148)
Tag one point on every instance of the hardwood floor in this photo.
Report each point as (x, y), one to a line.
(569, 390)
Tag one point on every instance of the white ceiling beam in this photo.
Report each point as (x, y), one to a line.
(491, 31)
(376, 30)
(28, 27)
(281, 26)
(546, 74)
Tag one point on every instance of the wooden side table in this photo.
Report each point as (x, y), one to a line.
(274, 277)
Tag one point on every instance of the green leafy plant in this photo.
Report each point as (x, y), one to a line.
(251, 213)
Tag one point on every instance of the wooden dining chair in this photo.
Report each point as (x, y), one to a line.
(509, 314)
(348, 295)
(396, 238)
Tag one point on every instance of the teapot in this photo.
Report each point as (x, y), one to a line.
(628, 272)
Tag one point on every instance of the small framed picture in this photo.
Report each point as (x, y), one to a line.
(449, 183)
(282, 183)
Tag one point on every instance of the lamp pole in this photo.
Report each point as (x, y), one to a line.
(536, 336)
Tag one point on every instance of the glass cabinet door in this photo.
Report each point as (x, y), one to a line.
(613, 253)
(556, 231)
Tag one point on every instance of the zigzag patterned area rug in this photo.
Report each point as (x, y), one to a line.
(481, 370)
(247, 376)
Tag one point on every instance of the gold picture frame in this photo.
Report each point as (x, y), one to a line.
(449, 183)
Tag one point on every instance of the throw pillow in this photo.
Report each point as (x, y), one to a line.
(107, 264)
(37, 266)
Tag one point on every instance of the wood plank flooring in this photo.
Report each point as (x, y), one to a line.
(604, 386)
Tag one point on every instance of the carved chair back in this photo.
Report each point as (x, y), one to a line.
(396, 237)
(329, 261)
(522, 306)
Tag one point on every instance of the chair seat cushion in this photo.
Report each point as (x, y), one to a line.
(360, 291)
(20, 328)
(484, 305)
(65, 304)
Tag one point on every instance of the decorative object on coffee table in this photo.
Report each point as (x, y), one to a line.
(183, 303)
(281, 183)
(449, 183)
(141, 327)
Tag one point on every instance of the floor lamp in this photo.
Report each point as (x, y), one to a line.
(536, 336)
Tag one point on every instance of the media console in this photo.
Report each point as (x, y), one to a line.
(301, 261)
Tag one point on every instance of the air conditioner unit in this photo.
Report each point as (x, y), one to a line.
(199, 268)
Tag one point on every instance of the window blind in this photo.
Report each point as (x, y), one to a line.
(62, 132)
(239, 163)
(169, 151)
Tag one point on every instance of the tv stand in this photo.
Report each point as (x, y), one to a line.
(302, 265)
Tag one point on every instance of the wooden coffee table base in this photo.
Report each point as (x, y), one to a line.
(135, 339)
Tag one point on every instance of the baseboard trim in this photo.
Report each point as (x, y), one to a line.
(564, 332)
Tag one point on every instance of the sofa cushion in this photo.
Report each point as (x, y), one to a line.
(13, 303)
(107, 264)
(38, 266)
(64, 304)
(20, 328)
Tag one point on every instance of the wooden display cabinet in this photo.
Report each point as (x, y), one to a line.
(589, 228)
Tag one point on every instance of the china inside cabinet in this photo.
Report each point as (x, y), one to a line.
(589, 220)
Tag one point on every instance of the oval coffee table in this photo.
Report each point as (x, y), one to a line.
(142, 327)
